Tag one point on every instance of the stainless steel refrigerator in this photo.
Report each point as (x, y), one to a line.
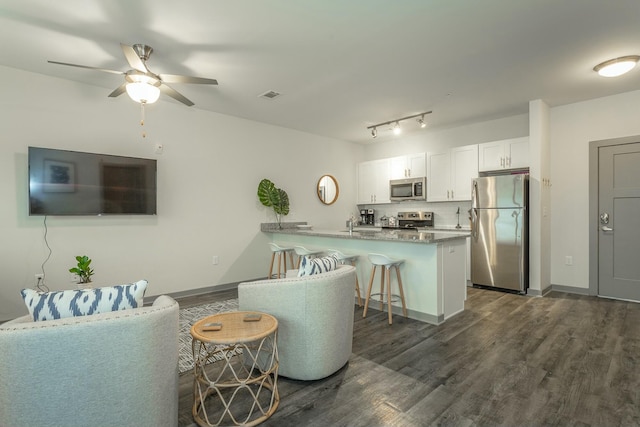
(500, 231)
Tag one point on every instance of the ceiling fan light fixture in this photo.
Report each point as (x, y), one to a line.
(143, 92)
(142, 88)
(617, 67)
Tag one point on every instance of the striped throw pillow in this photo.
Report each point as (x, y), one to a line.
(85, 302)
(310, 266)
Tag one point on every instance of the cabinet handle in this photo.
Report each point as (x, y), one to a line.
(509, 161)
(447, 194)
(451, 194)
(502, 161)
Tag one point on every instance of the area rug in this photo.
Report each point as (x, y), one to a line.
(187, 317)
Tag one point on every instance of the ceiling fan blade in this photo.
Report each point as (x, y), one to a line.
(118, 91)
(86, 66)
(133, 59)
(172, 78)
(175, 95)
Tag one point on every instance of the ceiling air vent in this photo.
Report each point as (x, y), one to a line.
(270, 94)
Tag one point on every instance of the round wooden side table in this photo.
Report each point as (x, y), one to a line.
(235, 358)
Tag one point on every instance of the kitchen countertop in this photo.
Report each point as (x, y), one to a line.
(433, 275)
(422, 235)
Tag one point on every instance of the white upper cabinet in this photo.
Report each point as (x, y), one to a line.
(409, 166)
(450, 172)
(373, 182)
(505, 154)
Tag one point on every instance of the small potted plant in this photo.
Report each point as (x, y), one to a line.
(271, 196)
(83, 270)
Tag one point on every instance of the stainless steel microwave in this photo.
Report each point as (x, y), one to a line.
(408, 189)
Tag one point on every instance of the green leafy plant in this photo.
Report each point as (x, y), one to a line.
(83, 269)
(276, 198)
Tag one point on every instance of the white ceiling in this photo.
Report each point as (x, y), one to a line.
(341, 65)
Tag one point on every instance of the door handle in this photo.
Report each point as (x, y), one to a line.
(605, 228)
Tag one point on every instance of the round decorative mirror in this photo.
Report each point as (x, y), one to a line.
(328, 189)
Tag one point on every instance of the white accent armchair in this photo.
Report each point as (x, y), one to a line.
(315, 319)
(110, 369)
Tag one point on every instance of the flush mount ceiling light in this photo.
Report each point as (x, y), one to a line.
(617, 67)
(396, 127)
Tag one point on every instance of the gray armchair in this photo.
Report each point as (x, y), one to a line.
(110, 369)
(315, 319)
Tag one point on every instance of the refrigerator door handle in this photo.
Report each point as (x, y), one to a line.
(474, 223)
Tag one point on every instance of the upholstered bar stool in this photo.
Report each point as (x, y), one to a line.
(301, 251)
(281, 252)
(350, 259)
(386, 264)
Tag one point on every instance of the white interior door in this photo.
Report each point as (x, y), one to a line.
(619, 221)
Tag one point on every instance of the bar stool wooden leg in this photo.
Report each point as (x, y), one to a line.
(273, 256)
(404, 307)
(389, 310)
(279, 262)
(353, 262)
(382, 274)
(366, 301)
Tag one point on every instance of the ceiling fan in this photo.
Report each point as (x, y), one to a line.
(141, 84)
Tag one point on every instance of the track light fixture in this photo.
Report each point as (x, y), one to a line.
(396, 127)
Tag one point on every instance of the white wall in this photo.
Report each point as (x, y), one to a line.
(207, 179)
(572, 128)
(539, 198)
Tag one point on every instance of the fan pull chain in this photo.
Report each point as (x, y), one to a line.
(144, 134)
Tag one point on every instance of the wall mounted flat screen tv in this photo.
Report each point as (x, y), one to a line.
(75, 183)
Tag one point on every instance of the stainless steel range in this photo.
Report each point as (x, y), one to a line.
(413, 220)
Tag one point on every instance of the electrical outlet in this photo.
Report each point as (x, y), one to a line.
(568, 260)
(39, 278)
(215, 260)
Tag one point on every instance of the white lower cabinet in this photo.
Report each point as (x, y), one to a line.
(450, 172)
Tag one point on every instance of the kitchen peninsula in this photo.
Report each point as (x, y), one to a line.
(433, 274)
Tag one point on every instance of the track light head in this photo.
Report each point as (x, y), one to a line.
(374, 132)
(421, 122)
(396, 129)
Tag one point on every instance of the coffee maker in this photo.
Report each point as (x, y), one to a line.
(363, 216)
(370, 217)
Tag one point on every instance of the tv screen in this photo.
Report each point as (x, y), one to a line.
(74, 183)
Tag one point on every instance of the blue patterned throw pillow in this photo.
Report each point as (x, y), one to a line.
(85, 302)
(310, 266)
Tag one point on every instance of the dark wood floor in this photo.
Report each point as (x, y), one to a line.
(506, 360)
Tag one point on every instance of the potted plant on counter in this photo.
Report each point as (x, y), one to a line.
(271, 196)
